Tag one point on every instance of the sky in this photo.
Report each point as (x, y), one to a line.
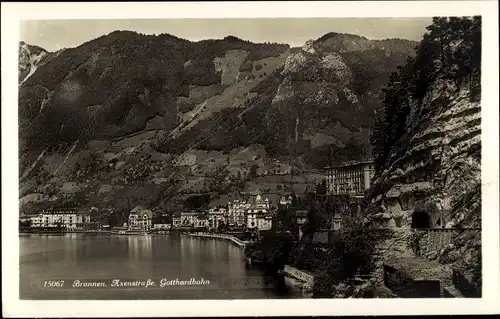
(53, 35)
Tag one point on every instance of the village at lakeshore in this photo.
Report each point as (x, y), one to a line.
(252, 213)
(258, 226)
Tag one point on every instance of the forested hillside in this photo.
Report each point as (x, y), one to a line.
(162, 118)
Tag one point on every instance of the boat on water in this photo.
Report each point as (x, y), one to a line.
(129, 232)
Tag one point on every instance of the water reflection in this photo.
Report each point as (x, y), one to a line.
(139, 247)
(77, 256)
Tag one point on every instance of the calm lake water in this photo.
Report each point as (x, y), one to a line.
(55, 260)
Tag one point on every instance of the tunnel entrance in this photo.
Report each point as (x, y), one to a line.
(440, 223)
(420, 220)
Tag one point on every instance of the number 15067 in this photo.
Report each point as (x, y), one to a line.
(53, 283)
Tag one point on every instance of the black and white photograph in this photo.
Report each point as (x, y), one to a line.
(251, 158)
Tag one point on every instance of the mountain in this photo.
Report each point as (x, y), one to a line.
(427, 145)
(31, 57)
(162, 119)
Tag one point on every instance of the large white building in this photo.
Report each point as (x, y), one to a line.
(258, 215)
(71, 219)
(188, 218)
(237, 211)
(140, 219)
(201, 221)
(216, 216)
(177, 220)
(352, 178)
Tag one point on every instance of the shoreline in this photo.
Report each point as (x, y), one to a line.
(233, 239)
(65, 232)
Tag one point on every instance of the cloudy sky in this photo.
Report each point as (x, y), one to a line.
(56, 34)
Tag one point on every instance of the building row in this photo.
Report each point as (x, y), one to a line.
(350, 178)
(238, 213)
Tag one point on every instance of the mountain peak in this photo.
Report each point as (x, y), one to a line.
(233, 38)
(338, 35)
(345, 42)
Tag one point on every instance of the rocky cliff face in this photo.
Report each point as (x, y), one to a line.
(431, 178)
(437, 164)
(31, 58)
(161, 119)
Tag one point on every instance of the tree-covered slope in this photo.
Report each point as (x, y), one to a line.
(164, 117)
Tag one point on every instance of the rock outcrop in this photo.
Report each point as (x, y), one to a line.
(30, 58)
(431, 180)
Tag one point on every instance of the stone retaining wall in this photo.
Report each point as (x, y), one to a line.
(299, 280)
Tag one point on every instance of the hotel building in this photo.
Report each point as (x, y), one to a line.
(236, 212)
(140, 219)
(71, 219)
(258, 215)
(216, 216)
(352, 178)
(188, 218)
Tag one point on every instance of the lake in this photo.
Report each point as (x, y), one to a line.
(104, 266)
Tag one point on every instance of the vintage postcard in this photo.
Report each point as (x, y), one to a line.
(241, 159)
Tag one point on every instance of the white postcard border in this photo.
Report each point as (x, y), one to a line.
(12, 13)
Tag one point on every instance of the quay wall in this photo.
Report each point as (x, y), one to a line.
(226, 237)
(299, 280)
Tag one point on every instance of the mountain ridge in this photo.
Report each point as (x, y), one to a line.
(125, 106)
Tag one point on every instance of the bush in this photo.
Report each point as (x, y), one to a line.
(351, 252)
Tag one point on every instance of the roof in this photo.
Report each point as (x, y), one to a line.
(137, 209)
(351, 163)
(147, 212)
(176, 214)
(142, 212)
(301, 213)
(58, 211)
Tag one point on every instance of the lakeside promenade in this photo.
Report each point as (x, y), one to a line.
(235, 240)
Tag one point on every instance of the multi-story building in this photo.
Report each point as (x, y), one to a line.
(351, 178)
(236, 212)
(176, 220)
(258, 211)
(140, 219)
(337, 221)
(201, 221)
(71, 219)
(188, 218)
(264, 221)
(285, 201)
(216, 216)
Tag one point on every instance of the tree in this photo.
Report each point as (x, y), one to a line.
(450, 50)
(253, 171)
(351, 252)
(25, 224)
(321, 188)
